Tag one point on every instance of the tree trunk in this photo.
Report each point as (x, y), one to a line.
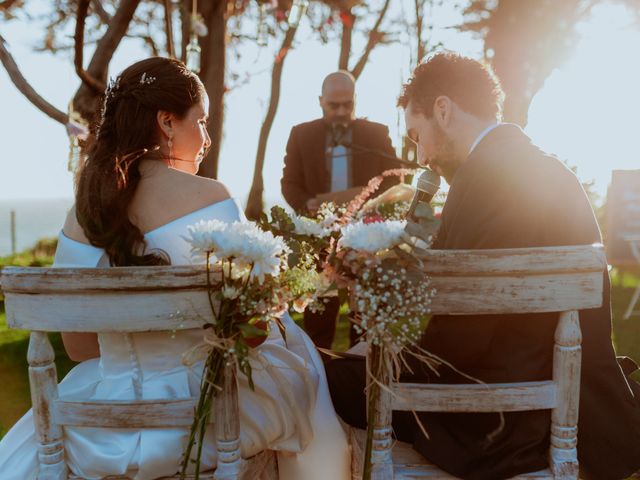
(185, 27)
(255, 202)
(212, 74)
(516, 108)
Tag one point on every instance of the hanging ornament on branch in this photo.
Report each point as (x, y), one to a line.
(198, 29)
(78, 131)
(263, 28)
(298, 9)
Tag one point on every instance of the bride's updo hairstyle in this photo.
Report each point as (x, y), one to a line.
(127, 132)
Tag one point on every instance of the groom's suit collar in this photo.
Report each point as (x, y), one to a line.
(486, 147)
(500, 133)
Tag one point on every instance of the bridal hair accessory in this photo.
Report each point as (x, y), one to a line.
(124, 162)
(112, 88)
(147, 80)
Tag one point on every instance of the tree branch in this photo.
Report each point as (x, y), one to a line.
(374, 38)
(419, 6)
(151, 44)
(99, 10)
(83, 8)
(86, 100)
(112, 38)
(7, 4)
(27, 90)
(254, 202)
(347, 18)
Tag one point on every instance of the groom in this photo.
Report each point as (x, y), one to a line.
(504, 193)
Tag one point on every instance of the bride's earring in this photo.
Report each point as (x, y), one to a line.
(170, 145)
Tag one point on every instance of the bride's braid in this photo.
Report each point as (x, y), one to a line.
(127, 131)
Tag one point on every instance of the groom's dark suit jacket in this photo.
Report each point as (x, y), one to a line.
(509, 194)
(307, 173)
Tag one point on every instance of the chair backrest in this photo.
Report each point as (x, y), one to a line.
(528, 280)
(127, 299)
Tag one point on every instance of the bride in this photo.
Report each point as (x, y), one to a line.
(136, 195)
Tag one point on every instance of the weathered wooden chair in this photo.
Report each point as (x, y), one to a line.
(129, 299)
(562, 279)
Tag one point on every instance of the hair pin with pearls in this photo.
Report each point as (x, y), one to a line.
(148, 80)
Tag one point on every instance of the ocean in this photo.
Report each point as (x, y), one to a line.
(35, 219)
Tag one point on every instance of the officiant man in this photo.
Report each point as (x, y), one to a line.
(328, 159)
(504, 193)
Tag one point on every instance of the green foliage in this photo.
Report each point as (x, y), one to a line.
(40, 255)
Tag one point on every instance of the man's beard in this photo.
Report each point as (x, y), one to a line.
(332, 120)
(445, 162)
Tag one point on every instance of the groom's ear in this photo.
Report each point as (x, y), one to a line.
(165, 122)
(442, 110)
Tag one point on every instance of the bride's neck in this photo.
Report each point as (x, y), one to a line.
(150, 167)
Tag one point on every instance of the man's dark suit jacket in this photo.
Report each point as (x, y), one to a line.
(509, 194)
(306, 173)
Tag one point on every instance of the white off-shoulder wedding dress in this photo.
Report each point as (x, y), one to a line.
(289, 411)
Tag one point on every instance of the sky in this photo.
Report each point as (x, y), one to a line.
(586, 113)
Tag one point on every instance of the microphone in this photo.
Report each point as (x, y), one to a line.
(426, 187)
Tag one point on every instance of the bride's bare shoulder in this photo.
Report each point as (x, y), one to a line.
(172, 195)
(72, 228)
(205, 191)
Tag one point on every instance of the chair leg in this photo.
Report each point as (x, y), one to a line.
(381, 462)
(227, 425)
(44, 392)
(564, 417)
(632, 303)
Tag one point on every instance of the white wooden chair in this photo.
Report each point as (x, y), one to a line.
(128, 299)
(562, 279)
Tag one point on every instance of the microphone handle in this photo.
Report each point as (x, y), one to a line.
(380, 153)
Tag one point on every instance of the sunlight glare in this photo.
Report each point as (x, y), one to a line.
(587, 112)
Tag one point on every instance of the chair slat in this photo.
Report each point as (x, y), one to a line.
(518, 261)
(167, 310)
(515, 261)
(517, 294)
(108, 312)
(67, 280)
(125, 414)
(506, 397)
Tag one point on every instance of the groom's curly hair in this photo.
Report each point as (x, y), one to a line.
(471, 84)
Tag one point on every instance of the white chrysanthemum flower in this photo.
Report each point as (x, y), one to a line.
(372, 237)
(307, 226)
(248, 245)
(204, 236)
(243, 242)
